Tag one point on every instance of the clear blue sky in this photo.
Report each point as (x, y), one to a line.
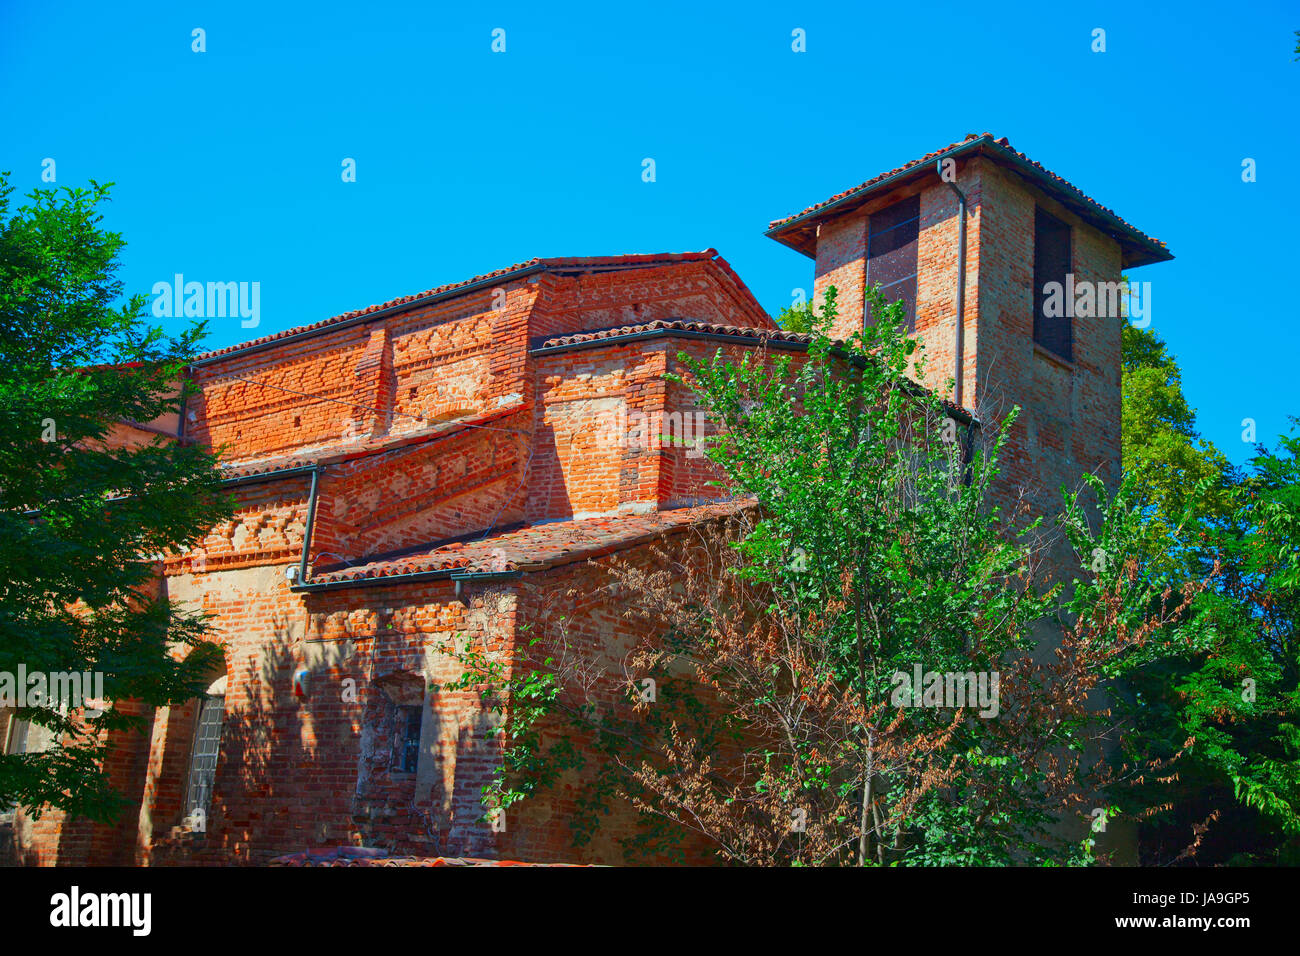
(227, 163)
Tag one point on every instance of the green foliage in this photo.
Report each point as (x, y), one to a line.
(868, 502)
(1229, 681)
(545, 735)
(800, 318)
(82, 517)
(875, 547)
(1176, 470)
(518, 701)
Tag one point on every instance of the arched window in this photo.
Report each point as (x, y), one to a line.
(203, 754)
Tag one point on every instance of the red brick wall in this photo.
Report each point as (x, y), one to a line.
(465, 483)
(1069, 420)
(699, 290)
(841, 261)
(583, 403)
(1070, 416)
(300, 773)
(610, 429)
(58, 839)
(297, 773)
(394, 375)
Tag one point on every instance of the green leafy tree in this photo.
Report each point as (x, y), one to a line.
(1234, 691)
(1254, 735)
(84, 516)
(798, 318)
(1231, 689)
(873, 549)
(1179, 476)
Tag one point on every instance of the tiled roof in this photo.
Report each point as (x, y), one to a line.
(709, 328)
(997, 149)
(268, 466)
(338, 453)
(673, 325)
(576, 264)
(535, 547)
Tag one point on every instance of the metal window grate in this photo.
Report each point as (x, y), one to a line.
(203, 756)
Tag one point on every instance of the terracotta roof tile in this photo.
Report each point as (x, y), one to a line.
(984, 142)
(675, 325)
(594, 263)
(537, 546)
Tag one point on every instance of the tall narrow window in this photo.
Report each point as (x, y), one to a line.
(891, 255)
(406, 739)
(207, 745)
(20, 737)
(1052, 323)
(16, 736)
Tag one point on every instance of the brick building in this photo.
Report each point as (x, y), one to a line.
(432, 468)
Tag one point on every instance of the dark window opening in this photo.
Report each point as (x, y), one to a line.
(892, 255)
(1052, 265)
(406, 739)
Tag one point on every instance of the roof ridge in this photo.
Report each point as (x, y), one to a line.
(670, 325)
(971, 141)
(535, 264)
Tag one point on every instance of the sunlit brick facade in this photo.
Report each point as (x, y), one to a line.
(464, 455)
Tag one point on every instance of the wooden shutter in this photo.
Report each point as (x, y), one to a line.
(1051, 264)
(891, 254)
